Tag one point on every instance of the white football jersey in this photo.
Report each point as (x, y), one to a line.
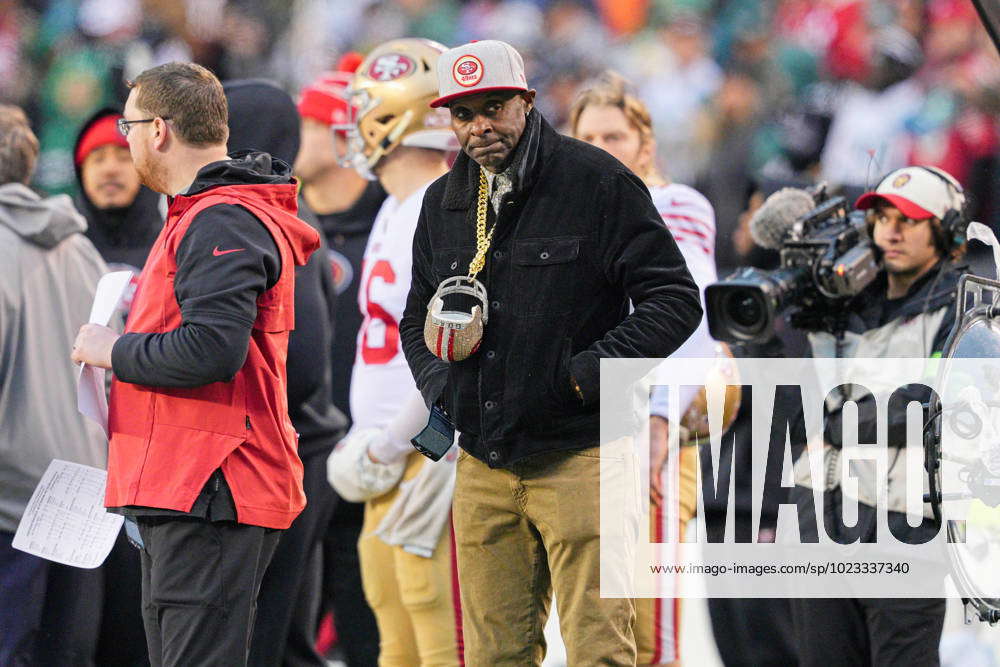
(691, 221)
(381, 380)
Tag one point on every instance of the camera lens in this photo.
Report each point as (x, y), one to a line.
(745, 308)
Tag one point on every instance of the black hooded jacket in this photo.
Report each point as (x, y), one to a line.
(263, 117)
(218, 301)
(123, 236)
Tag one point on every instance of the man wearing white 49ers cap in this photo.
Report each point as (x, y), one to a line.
(407, 560)
(918, 224)
(525, 258)
(917, 218)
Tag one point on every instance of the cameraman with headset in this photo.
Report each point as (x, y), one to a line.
(917, 223)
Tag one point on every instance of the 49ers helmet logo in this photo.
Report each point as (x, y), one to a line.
(390, 67)
(467, 71)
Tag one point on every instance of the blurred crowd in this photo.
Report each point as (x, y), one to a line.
(740, 91)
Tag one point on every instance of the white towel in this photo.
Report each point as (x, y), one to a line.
(423, 508)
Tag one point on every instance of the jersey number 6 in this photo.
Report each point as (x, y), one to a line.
(390, 339)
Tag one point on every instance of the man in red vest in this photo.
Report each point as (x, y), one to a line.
(202, 454)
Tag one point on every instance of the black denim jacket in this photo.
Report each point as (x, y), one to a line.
(576, 240)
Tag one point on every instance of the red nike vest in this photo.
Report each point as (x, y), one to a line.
(166, 442)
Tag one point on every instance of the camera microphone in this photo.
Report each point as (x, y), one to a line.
(771, 223)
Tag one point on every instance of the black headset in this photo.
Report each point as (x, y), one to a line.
(955, 221)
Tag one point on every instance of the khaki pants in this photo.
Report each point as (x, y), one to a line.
(414, 598)
(520, 534)
(658, 620)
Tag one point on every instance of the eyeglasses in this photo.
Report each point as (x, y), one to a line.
(124, 125)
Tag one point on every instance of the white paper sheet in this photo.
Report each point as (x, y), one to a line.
(108, 296)
(65, 520)
(90, 397)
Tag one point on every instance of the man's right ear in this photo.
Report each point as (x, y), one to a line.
(160, 133)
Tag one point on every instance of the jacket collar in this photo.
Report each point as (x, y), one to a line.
(931, 291)
(538, 142)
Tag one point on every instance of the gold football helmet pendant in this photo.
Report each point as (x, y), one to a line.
(455, 335)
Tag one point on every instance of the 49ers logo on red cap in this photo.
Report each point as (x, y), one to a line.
(390, 66)
(467, 71)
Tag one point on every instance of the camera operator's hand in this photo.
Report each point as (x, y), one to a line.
(659, 432)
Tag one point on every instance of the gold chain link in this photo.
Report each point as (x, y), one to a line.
(482, 238)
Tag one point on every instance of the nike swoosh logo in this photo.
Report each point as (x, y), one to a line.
(218, 252)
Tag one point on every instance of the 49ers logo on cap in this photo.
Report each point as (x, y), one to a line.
(900, 180)
(468, 71)
(390, 66)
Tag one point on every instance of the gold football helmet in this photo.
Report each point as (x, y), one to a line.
(454, 335)
(390, 98)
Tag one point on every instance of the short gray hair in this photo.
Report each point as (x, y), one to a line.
(18, 146)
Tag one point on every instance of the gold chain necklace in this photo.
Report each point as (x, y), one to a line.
(483, 238)
(455, 335)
